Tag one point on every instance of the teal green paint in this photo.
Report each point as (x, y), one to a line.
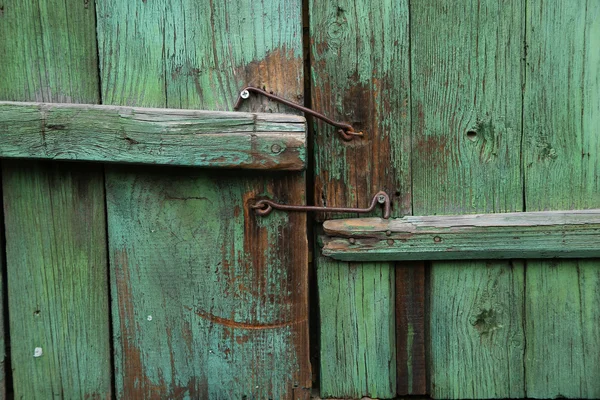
(217, 315)
(227, 291)
(188, 48)
(466, 77)
(562, 171)
(359, 74)
(57, 282)
(152, 136)
(54, 213)
(357, 329)
(550, 234)
(476, 330)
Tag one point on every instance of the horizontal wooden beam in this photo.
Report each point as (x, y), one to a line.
(137, 135)
(546, 234)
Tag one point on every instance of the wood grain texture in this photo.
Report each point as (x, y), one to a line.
(360, 75)
(476, 330)
(210, 301)
(114, 134)
(545, 234)
(54, 213)
(466, 107)
(355, 338)
(410, 328)
(562, 171)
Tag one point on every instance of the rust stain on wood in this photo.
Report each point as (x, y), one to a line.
(243, 325)
(277, 72)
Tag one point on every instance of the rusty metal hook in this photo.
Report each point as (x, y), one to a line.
(265, 207)
(346, 131)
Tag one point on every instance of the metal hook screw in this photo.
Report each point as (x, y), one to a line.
(345, 130)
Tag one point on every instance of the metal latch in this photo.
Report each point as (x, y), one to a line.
(264, 207)
(346, 131)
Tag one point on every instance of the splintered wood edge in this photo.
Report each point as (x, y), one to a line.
(545, 234)
(137, 135)
(414, 224)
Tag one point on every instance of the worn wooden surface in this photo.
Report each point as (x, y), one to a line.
(54, 213)
(562, 171)
(410, 327)
(476, 335)
(355, 338)
(360, 75)
(466, 107)
(114, 134)
(545, 234)
(210, 301)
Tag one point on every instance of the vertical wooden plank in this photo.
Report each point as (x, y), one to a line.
(476, 332)
(466, 102)
(210, 300)
(360, 74)
(562, 171)
(356, 340)
(54, 213)
(410, 328)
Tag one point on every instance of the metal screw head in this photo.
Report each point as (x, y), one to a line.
(245, 94)
(352, 240)
(388, 233)
(275, 148)
(381, 199)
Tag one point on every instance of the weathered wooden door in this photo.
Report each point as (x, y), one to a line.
(470, 107)
(159, 281)
(148, 281)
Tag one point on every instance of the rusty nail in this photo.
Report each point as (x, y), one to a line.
(352, 240)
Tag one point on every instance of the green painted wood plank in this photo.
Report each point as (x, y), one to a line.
(545, 234)
(116, 134)
(562, 171)
(209, 300)
(54, 213)
(357, 339)
(360, 74)
(466, 106)
(473, 305)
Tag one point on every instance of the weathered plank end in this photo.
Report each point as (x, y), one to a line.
(160, 136)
